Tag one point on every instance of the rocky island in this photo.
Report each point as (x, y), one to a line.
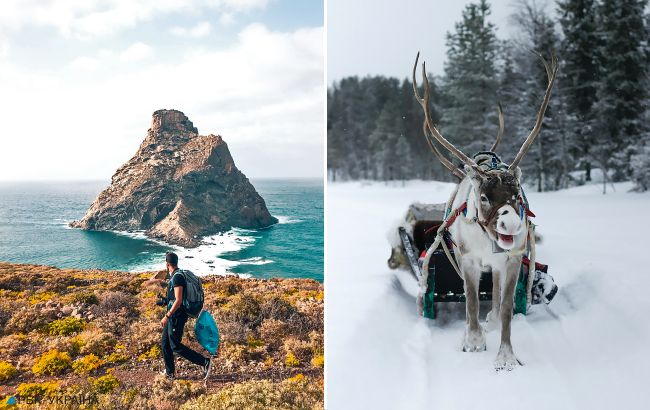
(178, 187)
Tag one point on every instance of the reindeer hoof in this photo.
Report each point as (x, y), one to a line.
(474, 341)
(506, 360)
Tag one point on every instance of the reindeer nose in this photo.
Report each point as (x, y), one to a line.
(505, 212)
(503, 225)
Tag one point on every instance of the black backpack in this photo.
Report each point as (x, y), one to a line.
(193, 296)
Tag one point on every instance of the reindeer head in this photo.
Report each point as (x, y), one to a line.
(497, 199)
(497, 191)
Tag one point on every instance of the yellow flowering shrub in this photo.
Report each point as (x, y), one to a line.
(104, 384)
(87, 364)
(7, 371)
(53, 362)
(65, 326)
(37, 389)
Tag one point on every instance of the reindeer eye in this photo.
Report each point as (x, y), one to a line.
(484, 198)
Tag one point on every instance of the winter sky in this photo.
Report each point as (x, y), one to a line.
(79, 80)
(383, 36)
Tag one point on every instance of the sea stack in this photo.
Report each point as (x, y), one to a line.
(178, 187)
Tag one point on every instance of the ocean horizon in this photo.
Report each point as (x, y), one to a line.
(34, 218)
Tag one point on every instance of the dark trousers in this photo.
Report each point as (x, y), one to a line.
(171, 343)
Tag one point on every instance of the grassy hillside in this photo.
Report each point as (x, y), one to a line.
(91, 337)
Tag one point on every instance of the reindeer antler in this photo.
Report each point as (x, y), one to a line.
(424, 102)
(551, 73)
(502, 127)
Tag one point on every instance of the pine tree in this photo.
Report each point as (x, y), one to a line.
(548, 160)
(580, 73)
(471, 81)
(622, 93)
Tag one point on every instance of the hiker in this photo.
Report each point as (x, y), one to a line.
(174, 322)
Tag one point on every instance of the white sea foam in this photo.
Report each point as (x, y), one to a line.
(288, 220)
(206, 259)
(257, 260)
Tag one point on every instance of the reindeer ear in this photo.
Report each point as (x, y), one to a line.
(518, 174)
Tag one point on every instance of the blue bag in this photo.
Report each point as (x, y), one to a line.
(207, 333)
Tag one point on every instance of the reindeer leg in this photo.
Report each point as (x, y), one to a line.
(506, 358)
(492, 318)
(474, 339)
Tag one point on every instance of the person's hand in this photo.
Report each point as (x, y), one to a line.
(163, 322)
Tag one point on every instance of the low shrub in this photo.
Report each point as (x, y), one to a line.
(153, 353)
(27, 319)
(273, 331)
(296, 393)
(97, 342)
(41, 297)
(65, 326)
(116, 357)
(104, 384)
(318, 361)
(53, 362)
(253, 343)
(86, 297)
(37, 389)
(301, 349)
(291, 360)
(112, 303)
(244, 308)
(13, 345)
(7, 371)
(87, 364)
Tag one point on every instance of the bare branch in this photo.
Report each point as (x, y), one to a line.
(551, 72)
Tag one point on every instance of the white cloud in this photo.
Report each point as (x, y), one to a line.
(136, 52)
(226, 19)
(84, 63)
(245, 5)
(264, 94)
(202, 29)
(92, 18)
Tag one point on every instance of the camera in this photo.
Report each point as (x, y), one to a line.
(162, 301)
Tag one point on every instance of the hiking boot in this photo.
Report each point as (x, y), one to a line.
(206, 368)
(169, 376)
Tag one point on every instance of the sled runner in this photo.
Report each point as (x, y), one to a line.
(443, 284)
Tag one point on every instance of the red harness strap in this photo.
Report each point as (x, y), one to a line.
(457, 212)
(451, 219)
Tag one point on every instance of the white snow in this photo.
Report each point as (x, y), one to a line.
(589, 349)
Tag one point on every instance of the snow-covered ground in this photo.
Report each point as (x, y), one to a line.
(589, 349)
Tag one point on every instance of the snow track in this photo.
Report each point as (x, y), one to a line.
(589, 349)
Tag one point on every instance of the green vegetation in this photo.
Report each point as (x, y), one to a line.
(87, 364)
(37, 389)
(7, 371)
(52, 363)
(97, 334)
(294, 393)
(104, 384)
(66, 326)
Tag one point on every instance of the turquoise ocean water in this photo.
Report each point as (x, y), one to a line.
(34, 218)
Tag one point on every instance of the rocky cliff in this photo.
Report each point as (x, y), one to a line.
(178, 187)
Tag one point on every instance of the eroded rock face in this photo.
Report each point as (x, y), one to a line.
(178, 187)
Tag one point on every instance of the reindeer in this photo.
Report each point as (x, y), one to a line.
(492, 199)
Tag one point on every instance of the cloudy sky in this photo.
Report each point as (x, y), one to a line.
(79, 80)
(383, 36)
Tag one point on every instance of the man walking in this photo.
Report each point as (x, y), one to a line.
(174, 322)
